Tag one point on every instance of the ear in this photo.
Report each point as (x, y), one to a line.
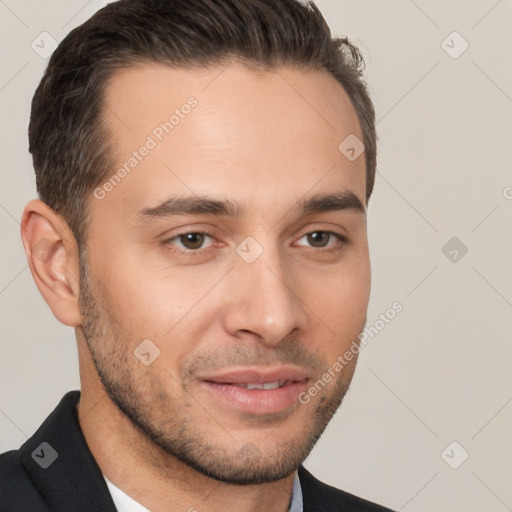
(53, 258)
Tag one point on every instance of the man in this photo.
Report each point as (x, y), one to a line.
(203, 169)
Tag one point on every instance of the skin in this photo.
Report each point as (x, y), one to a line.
(265, 140)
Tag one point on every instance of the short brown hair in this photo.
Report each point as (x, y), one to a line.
(68, 140)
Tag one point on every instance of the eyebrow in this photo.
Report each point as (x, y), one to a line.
(204, 205)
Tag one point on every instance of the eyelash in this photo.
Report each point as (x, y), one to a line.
(198, 252)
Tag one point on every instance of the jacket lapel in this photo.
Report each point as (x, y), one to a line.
(61, 465)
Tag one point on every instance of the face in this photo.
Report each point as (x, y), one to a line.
(227, 266)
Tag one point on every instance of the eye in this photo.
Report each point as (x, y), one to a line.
(193, 241)
(321, 239)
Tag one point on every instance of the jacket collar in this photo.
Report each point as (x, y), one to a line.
(73, 481)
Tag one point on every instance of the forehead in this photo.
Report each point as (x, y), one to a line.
(231, 130)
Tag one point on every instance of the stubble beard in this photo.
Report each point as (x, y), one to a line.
(166, 421)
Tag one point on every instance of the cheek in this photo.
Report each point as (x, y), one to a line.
(342, 291)
(159, 303)
(339, 298)
(343, 310)
(137, 308)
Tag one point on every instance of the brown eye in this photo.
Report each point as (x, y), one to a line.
(319, 238)
(192, 241)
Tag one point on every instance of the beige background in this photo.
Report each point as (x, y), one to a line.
(440, 371)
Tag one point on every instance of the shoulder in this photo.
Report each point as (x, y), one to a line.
(320, 497)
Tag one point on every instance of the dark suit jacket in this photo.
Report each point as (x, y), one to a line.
(54, 471)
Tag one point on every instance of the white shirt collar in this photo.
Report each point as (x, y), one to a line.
(296, 505)
(122, 501)
(125, 503)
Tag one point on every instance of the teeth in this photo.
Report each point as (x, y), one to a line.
(266, 385)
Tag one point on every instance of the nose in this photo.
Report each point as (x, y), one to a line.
(264, 300)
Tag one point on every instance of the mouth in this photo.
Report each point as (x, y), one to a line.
(257, 391)
(264, 385)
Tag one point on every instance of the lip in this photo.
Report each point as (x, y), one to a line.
(225, 385)
(256, 375)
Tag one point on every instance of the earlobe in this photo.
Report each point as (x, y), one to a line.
(53, 258)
